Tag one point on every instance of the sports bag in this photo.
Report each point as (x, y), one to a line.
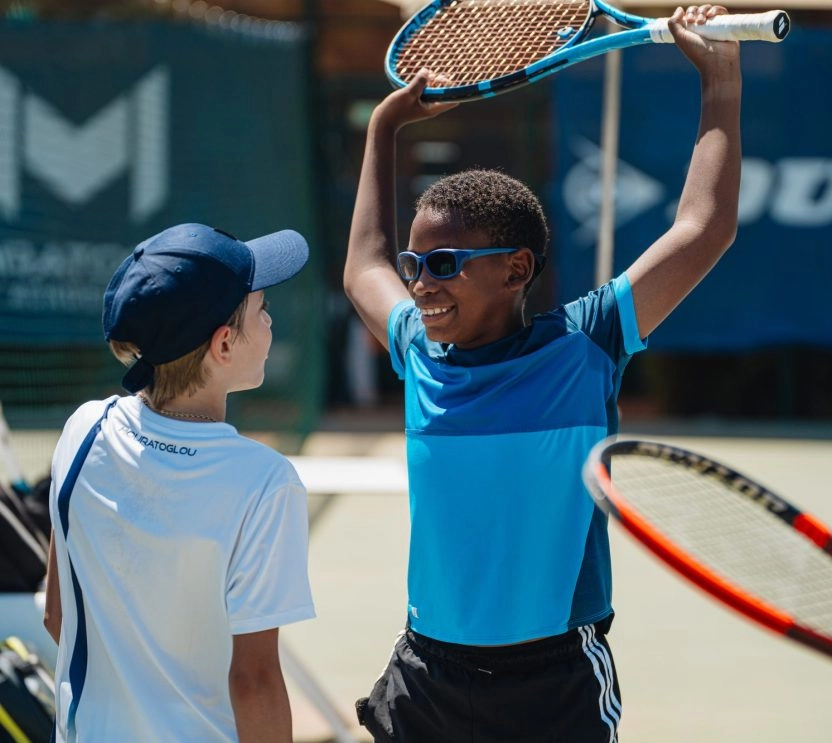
(27, 695)
(24, 546)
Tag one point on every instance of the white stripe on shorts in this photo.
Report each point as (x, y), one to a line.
(608, 704)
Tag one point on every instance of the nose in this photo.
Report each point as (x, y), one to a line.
(423, 284)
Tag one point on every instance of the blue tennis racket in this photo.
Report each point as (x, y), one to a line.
(486, 47)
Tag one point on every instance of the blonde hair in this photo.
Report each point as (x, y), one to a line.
(184, 375)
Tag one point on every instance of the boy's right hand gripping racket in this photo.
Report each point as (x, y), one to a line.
(485, 47)
(729, 535)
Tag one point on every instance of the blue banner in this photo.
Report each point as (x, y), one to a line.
(774, 284)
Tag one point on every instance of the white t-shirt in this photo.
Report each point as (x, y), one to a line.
(181, 535)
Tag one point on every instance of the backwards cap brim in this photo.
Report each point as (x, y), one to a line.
(277, 257)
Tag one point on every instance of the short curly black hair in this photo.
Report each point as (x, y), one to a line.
(492, 201)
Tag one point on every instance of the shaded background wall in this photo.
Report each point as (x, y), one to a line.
(108, 134)
(120, 118)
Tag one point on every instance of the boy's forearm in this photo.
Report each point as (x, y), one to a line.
(373, 231)
(261, 709)
(370, 278)
(373, 235)
(711, 192)
(52, 611)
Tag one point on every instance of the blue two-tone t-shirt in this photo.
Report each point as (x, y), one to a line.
(506, 544)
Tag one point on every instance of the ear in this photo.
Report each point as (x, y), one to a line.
(221, 343)
(521, 269)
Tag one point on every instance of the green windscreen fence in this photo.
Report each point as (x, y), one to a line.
(111, 133)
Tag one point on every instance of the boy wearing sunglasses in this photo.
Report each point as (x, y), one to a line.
(509, 581)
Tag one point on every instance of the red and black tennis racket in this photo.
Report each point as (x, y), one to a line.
(729, 535)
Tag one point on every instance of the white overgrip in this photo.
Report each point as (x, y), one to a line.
(772, 25)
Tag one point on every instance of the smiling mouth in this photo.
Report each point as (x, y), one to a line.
(434, 311)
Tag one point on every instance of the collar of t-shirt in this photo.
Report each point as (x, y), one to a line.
(542, 329)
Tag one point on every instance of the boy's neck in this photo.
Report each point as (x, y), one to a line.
(516, 324)
(188, 408)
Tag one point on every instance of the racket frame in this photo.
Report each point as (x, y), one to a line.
(638, 30)
(596, 475)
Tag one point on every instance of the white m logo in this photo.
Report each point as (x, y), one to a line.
(76, 162)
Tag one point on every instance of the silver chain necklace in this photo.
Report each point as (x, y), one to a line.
(176, 414)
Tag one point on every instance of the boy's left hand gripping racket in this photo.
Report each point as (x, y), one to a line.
(485, 47)
(729, 535)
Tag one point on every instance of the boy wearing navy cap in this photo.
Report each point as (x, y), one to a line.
(179, 547)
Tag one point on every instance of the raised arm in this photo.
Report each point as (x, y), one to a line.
(370, 278)
(706, 219)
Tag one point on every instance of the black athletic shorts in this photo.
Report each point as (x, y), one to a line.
(561, 689)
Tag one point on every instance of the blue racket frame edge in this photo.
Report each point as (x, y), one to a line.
(771, 26)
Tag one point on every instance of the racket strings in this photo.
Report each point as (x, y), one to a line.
(732, 536)
(470, 41)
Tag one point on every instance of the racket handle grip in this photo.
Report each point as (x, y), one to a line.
(773, 25)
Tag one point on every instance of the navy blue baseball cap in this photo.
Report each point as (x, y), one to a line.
(179, 286)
